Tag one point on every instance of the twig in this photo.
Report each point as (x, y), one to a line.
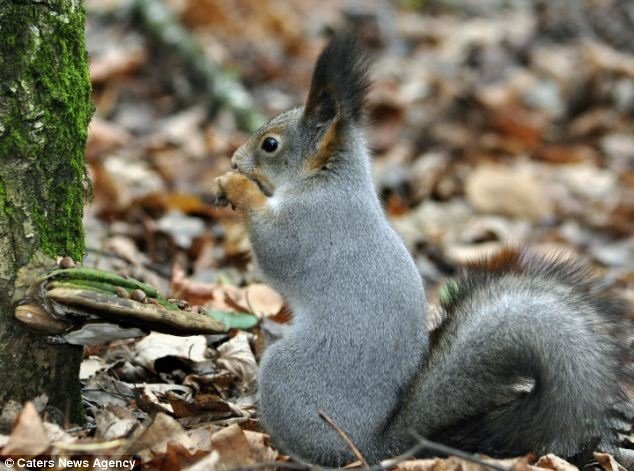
(447, 450)
(225, 90)
(80, 428)
(420, 445)
(390, 463)
(277, 465)
(345, 438)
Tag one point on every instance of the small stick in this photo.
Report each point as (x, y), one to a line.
(345, 438)
(275, 465)
(420, 445)
(447, 450)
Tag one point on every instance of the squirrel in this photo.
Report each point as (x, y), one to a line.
(524, 362)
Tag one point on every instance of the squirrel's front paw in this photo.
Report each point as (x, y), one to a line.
(239, 191)
(218, 193)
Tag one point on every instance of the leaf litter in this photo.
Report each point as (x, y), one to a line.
(471, 101)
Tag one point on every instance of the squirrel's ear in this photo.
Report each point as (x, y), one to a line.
(339, 84)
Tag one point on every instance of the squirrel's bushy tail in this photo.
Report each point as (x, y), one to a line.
(531, 358)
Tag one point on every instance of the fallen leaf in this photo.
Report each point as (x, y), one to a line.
(508, 191)
(102, 389)
(110, 426)
(185, 407)
(157, 345)
(201, 436)
(233, 447)
(57, 434)
(458, 464)
(211, 461)
(195, 292)
(263, 300)
(608, 462)
(115, 62)
(555, 463)
(237, 357)
(260, 447)
(176, 457)
(181, 227)
(90, 366)
(104, 136)
(520, 125)
(155, 437)
(29, 437)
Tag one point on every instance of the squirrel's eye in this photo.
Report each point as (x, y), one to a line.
(269, 144)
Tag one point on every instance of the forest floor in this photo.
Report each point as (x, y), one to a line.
(489, 126)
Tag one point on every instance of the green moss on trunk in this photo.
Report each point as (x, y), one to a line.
(45, 92)
(44, 114)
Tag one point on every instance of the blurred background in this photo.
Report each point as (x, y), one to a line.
(490, 121)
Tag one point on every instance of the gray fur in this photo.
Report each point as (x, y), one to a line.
(358, 306)
(527, 328)
(523, 363)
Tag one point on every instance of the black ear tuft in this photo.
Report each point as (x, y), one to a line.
(340, 81)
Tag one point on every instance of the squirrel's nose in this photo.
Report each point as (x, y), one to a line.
(234, 165)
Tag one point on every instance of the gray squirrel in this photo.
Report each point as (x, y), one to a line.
(526, 360)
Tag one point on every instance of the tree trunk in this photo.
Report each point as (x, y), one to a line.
(44, 113)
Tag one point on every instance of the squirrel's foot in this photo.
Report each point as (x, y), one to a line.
(237, 190)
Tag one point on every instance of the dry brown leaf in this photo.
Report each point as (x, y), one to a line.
(194, 292)
(608, 462)
(29, 437)
(260, 447)
(602, 56)
(257, 298)
(103, 137)
(157, 345)
(237, 357)
(188, 204)
(555, 463)
(130, 180)
(154, 439)
(386, 113)
(182, 228)
(233, 447)
(125, 248)
(90, 366)
(116, 62)
(151, 404)
(185, 407)
(283, 316)
(236, 241)
(176, 457)
(201, 436)
(565, 154)
(520, 125)
(211, 461)
(440, 464)
(512, 192)
(104, 389)
(457, 464)
(110, 426)
(57, 434)
(263, 300)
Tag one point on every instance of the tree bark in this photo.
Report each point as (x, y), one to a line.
(44, 114)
